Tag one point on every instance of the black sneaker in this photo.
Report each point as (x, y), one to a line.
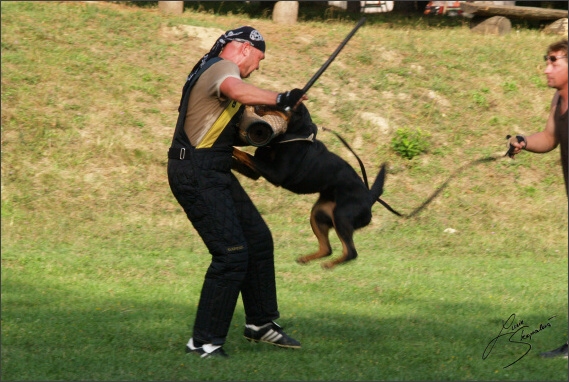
(205, 351)
(559, 352)
(270, 333)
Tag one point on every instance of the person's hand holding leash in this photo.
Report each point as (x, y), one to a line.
(516, 144)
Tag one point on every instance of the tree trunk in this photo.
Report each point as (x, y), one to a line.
(557, 27)
(528, 13)
(171, 7)
(497, 25)
(285, 12)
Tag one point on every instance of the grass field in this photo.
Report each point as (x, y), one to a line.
(101, 270)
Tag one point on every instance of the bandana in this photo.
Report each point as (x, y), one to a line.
(242, 34)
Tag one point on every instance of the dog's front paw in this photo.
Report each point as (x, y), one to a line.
(302, 260)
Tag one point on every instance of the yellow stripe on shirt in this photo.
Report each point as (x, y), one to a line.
(220, 124)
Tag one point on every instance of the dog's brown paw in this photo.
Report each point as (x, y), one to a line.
(328, 265)
(302, 260)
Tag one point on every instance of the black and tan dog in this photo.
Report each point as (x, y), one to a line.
(300, 163)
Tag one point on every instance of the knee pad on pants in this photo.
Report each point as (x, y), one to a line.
(228, 266)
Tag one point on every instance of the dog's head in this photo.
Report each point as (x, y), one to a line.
(300, 122)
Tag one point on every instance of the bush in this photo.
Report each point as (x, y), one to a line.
(408, 143)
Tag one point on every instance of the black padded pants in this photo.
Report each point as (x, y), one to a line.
(238, 239)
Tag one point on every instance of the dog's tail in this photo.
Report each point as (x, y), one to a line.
(377, 190)
(377, 186)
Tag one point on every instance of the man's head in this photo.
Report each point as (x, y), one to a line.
(556, 70)
(246, 47)
(236, 37)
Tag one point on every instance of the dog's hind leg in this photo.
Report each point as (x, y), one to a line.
(321, 220)
(345, 230)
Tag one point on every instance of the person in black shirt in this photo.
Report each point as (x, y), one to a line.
(555, 132)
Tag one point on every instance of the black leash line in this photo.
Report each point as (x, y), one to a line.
(362, 167)
(487, 159)
(434, 194)
(364, 174)
(446, 182)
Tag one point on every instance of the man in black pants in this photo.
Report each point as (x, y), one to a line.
(199, 174)
(555, 132)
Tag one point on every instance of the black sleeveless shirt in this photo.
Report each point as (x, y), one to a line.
(561, 135)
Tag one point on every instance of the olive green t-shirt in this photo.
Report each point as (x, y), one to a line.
(206, 102)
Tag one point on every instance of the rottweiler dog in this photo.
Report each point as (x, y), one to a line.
(300, 163)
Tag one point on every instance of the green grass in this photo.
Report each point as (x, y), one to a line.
(101, 270)
(102, 315)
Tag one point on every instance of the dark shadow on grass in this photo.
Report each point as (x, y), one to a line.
(65, 334)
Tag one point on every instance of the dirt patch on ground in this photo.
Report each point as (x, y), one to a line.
(203, 37)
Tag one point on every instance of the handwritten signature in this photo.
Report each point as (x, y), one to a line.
(511, 328)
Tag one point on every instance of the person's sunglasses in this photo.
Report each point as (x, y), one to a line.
(553, 58)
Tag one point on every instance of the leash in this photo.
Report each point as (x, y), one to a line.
(510, 152)
(446, 182)
(441, 187)
(362, 167)
(487, 159)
